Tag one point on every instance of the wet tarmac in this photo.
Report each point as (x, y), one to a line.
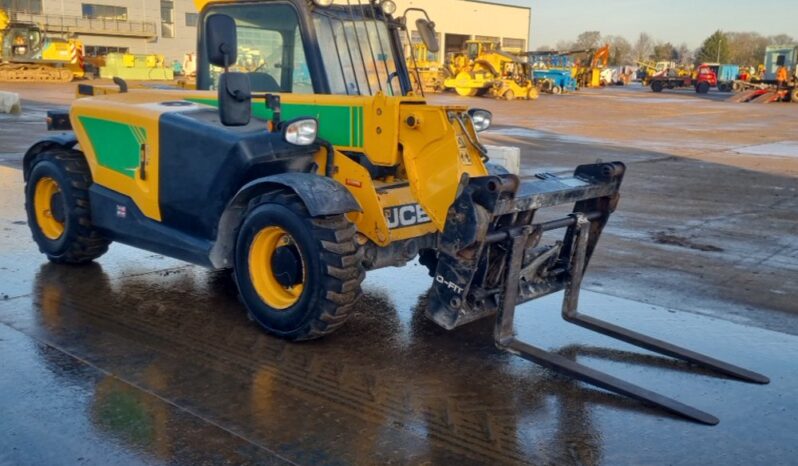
(141, 359)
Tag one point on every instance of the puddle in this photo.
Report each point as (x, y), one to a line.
(777, 149)
(536, 134)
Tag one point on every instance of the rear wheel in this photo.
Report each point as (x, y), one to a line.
(509, 95)
(794, 95)
(556, 90)
(657, 86)
(57, 206)
(298, 276)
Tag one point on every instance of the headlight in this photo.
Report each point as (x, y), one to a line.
(301, 132)
(388, 7)
(323, 3)
(481, 119)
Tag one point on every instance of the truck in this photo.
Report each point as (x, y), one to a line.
(702, 80)
(726, 75)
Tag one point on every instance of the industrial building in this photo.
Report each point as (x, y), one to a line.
(168, 27)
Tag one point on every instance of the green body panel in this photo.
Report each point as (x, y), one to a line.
(340, 125)
(116, 145)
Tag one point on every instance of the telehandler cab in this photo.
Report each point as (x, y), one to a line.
(305, 159)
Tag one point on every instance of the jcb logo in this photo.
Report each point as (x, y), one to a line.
(406, 216)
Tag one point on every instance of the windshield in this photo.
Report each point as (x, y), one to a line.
(357, 53)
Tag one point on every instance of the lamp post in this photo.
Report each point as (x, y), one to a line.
(720, 42)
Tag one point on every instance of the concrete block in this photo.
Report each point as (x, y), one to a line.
(508, 157)
(10, 103)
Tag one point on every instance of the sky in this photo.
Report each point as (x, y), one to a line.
(675, 21)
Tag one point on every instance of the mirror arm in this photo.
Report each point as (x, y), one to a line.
(272, 102)
(420, 10)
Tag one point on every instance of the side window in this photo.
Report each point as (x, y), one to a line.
(270, 48)
(302, 83)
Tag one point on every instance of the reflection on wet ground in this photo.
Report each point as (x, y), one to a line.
(166, 367)
(141, 359)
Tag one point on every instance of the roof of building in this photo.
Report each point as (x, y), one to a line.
(498, 3)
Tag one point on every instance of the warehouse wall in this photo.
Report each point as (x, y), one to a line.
(463, 18)
(474, 19)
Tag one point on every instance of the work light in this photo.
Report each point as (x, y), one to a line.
(301, 132)
(388, 7)
(323, 3)
(481, 119)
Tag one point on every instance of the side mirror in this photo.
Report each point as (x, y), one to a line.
(220, 40)
(235, 99)
(426, 29)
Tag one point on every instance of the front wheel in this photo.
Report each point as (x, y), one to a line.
(299, 277)
(702, 87)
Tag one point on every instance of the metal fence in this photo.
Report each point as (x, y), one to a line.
(79, 24)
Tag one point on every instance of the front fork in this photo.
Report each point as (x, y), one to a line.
(529, 271)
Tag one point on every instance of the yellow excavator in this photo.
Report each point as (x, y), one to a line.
(483, 69)
(27, 54)
(590, 75)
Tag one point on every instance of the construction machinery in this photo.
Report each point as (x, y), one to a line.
(139, 67)
(300, 193)
(426, 73)
(27, 54)
(766, 87)
(590, 74)
(483, 69)
(648, 70)
(552, 71)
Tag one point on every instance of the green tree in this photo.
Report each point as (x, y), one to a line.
(746, 48)
(643, 48)
(715, 48)
(685, 54)
(665, 52)
(781, 39)
(588, 40)
(620, 50)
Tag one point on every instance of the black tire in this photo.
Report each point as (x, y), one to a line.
(657, 86)
(702, 87)
(556, 90)
(794, 95)
(79, 242)
(331, 266)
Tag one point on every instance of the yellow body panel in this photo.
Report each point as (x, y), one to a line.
(139, 110)
(371, 222)
(436, 153)
(431, 156)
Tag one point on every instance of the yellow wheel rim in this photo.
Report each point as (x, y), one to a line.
(262, 273)
(46, 188)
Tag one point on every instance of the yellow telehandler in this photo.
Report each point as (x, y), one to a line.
(321, 163)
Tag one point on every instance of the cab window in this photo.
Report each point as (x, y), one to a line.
(270, 48)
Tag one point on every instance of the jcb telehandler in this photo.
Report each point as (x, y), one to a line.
(318, 164)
